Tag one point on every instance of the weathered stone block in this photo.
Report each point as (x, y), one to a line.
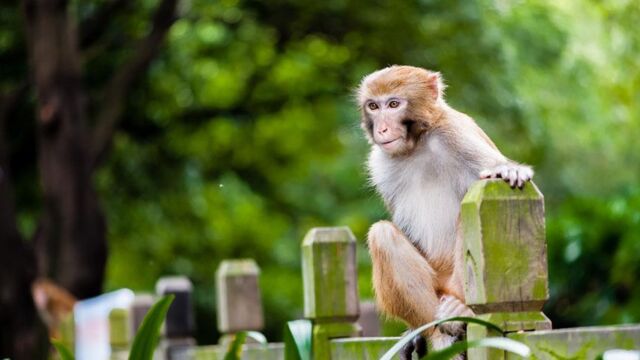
(139, 308)
(578, 343)
(504, 246)
(238, 295)
(369, 320)
(179, 321)
(330, 275)
(371, 348)
(119, 329)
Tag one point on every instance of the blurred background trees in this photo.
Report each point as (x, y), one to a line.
(242, 134)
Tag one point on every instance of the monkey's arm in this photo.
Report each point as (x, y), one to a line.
(481, 154)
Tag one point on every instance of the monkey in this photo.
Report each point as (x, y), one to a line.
(424, 156)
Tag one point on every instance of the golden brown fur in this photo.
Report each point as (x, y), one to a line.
(424, 157)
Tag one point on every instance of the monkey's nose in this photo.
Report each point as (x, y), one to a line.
(383, 130)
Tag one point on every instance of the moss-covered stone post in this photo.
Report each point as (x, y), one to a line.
(330, 280)
(506, 259)
(239, 303)
(119, 333)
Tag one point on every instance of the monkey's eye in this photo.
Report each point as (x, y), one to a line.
(373, 106)
(394, 104)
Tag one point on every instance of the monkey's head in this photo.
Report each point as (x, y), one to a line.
(398, 105)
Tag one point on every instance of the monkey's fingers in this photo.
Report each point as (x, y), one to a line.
(514, 174)
(418, 345)
(407, 351)
(524, 174)
(488, 174)
(513, 177)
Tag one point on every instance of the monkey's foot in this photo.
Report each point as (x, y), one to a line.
(450, 306)
(441, 341)
(418, 345)
(514, 174)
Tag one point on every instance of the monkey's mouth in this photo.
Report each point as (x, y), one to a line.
(387, 143)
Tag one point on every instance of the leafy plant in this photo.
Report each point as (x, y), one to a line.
(493, 342)
(146, 339)
(297, 339)
(235, 347)
(63, 350)
(498, 343)
(234, 352)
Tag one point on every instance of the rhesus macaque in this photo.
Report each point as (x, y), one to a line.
(424, 156)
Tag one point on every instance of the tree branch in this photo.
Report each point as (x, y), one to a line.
(93, 28)
(118, 88)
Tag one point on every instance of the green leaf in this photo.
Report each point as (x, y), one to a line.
(234, 352)
(297, 340)
(63, 350)
(146, 340)
(407, 338)
(494, 342)
(257, 336)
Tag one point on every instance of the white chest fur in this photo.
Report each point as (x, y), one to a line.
(424, 192)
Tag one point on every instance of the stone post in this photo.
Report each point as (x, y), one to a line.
(239, 303)
(506, 259)
(330, 282)
(179, 324)
(369, 320)
(139, 308)
(119, 333)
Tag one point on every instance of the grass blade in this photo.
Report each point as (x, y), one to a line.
(257, 336)
(297, 340)
(495, 342)
(234, 352)
(407, 338)
(63, 350)
(146, 340)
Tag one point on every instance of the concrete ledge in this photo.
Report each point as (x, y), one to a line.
(371, 348)
(578, 343)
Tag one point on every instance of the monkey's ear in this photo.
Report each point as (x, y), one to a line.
(436, 85)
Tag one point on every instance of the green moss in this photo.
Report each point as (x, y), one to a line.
(579, 343)
(361, 348)
(540, 288)
(323, 333)
(329, 274)
(503, 231)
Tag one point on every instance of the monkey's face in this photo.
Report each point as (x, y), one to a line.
(387, 123)
(399, 104)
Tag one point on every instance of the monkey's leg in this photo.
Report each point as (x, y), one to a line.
(452, 301)
(403, 280)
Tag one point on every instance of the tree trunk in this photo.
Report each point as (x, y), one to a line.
(70, 243)
(23, 336)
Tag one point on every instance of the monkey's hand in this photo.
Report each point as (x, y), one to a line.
(450, 306)
(418, 345)
(514, 174)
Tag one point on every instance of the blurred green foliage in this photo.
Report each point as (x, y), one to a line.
(244, 135)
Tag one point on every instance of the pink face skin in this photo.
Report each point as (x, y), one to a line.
(386, 114)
